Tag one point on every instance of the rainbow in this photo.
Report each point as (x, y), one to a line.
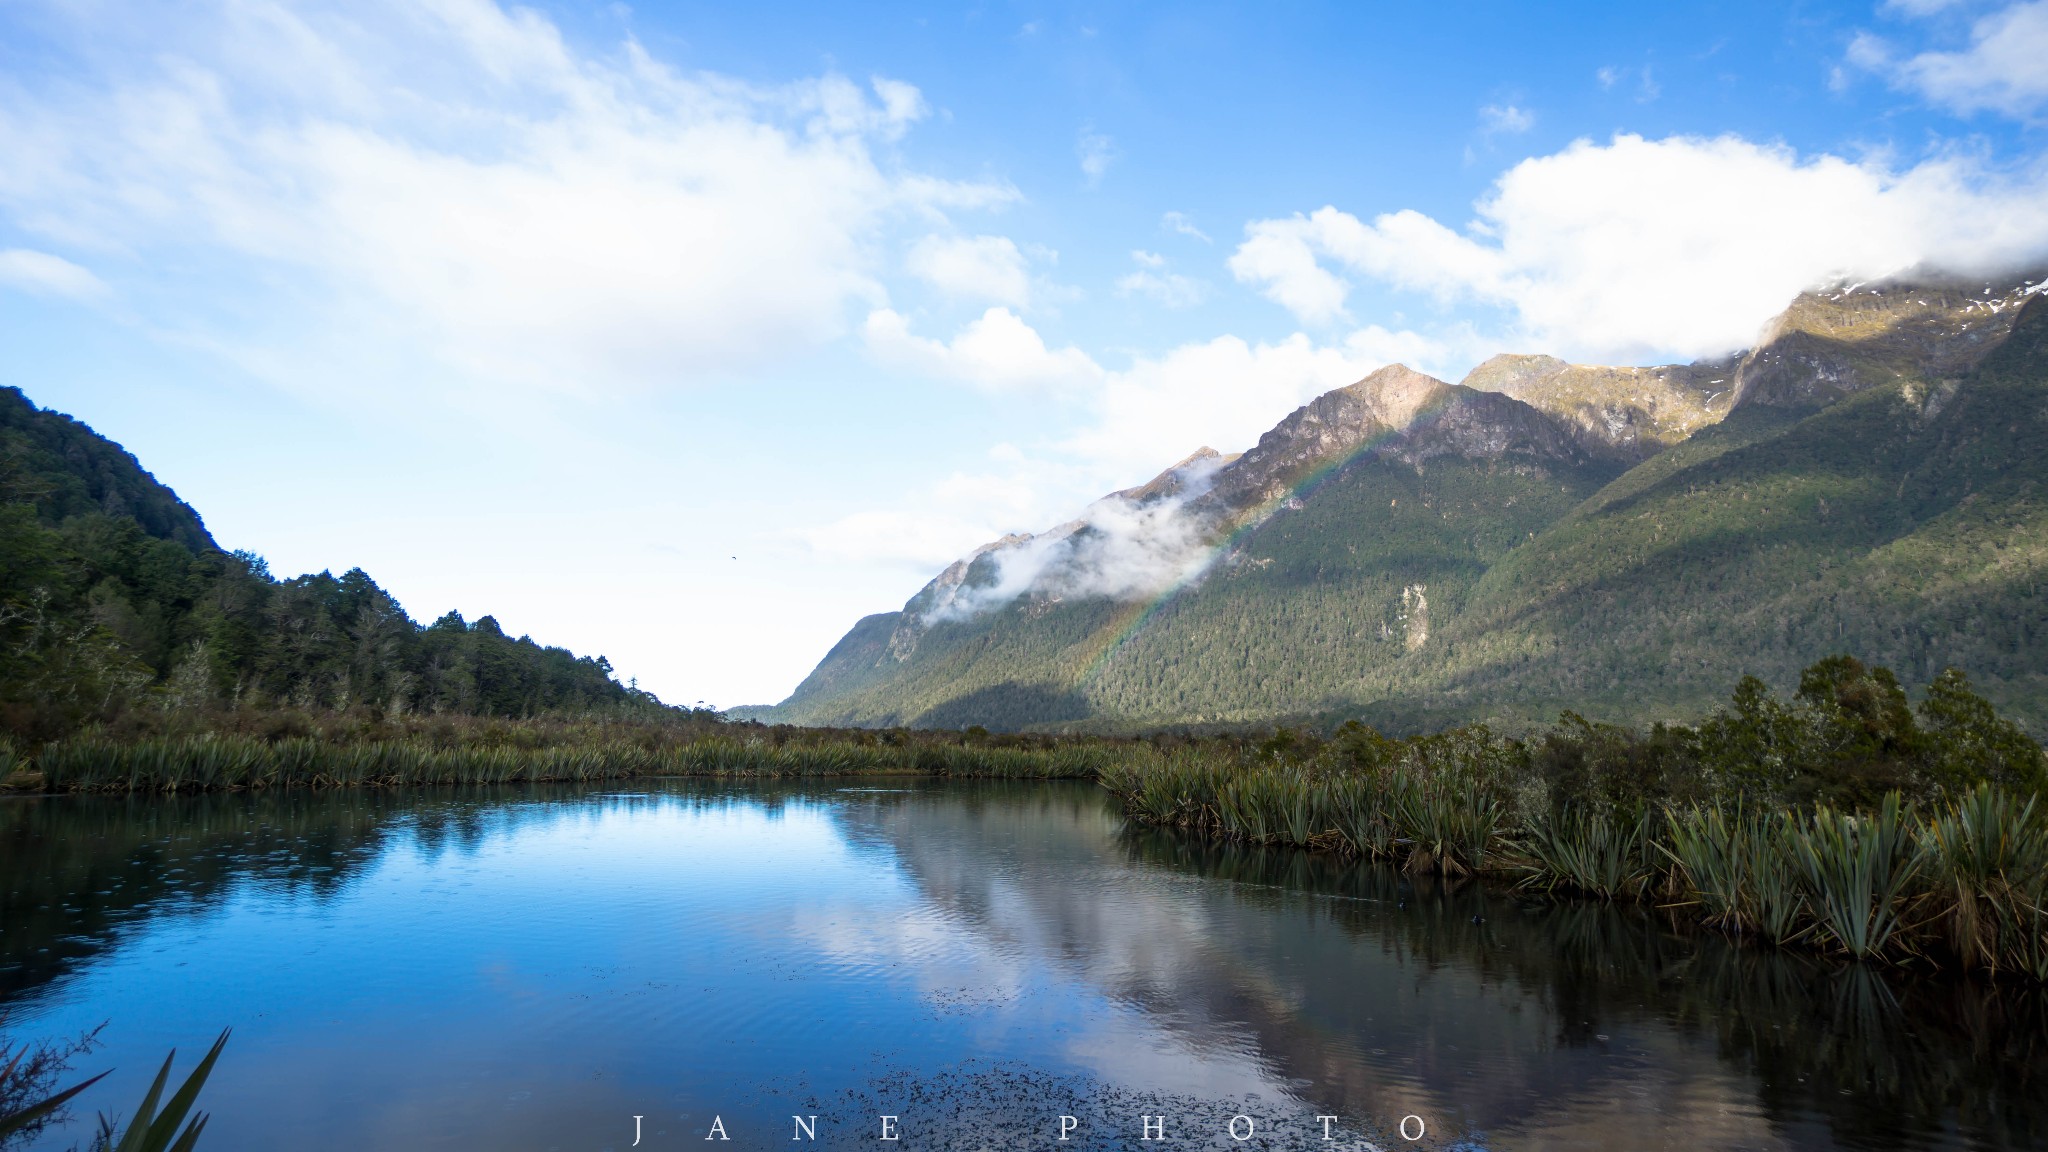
(1132, 619)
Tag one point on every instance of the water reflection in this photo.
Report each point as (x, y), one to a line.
(531, 967)
(1611, 1003)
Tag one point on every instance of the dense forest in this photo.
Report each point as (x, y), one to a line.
(1902, 520)
(115, 600)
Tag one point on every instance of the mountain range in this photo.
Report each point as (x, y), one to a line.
(1624, 542)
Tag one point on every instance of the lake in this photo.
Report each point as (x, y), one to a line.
(986, 965)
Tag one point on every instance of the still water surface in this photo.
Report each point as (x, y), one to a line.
(532, 968)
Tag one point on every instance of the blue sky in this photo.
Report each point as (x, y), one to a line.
(688, 334)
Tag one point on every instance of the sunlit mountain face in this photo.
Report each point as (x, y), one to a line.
(1623, 542)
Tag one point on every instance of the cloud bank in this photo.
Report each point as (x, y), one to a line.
(454, 178)
(42, 274)
(2004, 69)
(973, 267)
(1118, 548)
(1638, 249)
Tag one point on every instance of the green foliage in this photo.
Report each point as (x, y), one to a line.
(1857, 870)
(114, 599)
(1860, 740)
(150, 1130)
(1907, 523)
(1989, 872)
(1734, 863)
(1597, 853)
(1968, 741)
(1763, 850)
(251, 751)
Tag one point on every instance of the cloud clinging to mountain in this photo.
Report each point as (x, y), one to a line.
(1639, 249)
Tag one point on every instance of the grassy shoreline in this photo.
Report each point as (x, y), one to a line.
(1957, 883)
(212, 761)
(1845, 822)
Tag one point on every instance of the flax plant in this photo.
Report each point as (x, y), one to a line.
(1988, 873)
(1857, 871)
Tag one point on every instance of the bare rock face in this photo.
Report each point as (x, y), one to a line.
(1837, 341)
(1414, 617)
(1178, 479)
(1397, 413)
(1830, 343)
(1624, 414)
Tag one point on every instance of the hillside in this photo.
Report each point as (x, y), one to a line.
(1625, 542)
(114, 596)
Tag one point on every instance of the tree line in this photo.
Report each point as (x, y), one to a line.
(115, 600)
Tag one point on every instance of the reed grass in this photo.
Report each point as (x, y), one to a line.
(1858, 871)
(1610, 857)
(211, 762)
(1953, 882)
(1959, 880)
(1425, 822)
(1732, 862)
(1987, 872)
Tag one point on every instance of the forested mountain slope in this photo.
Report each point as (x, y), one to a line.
(113, 595)
(1622, 542)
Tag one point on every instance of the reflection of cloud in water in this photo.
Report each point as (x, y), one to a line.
(990, 931)
(526, 967)
(1234, 990)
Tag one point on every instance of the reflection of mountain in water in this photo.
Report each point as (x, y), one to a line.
(1375, 995)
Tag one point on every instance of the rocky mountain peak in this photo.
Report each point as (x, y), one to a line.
(1846, 337)
(1179, 479)
(1511, 372)
(1395, 395)
(1397, 413)
(1619, 413)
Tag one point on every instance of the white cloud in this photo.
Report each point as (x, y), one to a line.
(2005, 68)
(456, 180)
(1116, 548)
(920, 542)
(1638, 248)
(45, 275)
(902, 104)
(974, 267)
(1180, 222)
(1169, 289)
(1646, 88)
(1281, 257)
(1096, 153)
(1222, 393)
(1505, 118)
(996, 351)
